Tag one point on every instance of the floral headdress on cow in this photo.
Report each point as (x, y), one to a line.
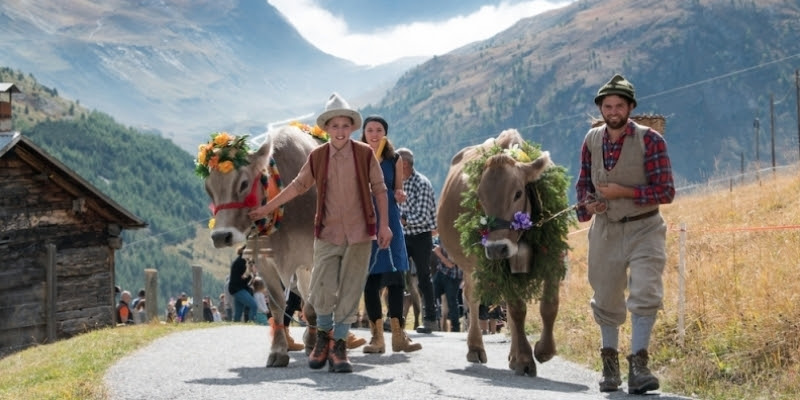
(494, 277)
(224, 152)
(314, 131)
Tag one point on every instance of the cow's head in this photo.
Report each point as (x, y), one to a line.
(502, 195)
(233, 192)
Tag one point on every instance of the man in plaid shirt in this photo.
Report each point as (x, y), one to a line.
(625, 175)
(418, 215)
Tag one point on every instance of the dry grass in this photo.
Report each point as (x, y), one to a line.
(742, 254)
(74, 368)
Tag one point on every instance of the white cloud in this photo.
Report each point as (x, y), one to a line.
(331, 34)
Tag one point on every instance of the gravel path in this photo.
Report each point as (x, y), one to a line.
(228, 362)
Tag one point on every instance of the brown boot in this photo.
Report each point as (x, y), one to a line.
(640, 379)
(319, 356)
(377, 343)
(337, 361)
(400, 341)
(354, 341)
(611, 378)
(293, 346)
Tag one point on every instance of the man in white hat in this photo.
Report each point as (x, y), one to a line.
(347, 175)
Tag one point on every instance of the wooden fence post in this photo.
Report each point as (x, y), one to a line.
(682, 286)
(151, 294)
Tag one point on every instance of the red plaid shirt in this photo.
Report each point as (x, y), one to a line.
(660, 188)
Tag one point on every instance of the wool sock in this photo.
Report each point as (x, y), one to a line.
(325, 322)
(610, 336)
(641, 330)
(341, 331)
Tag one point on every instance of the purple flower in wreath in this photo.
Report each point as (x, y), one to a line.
(521, 222)
(484, 236)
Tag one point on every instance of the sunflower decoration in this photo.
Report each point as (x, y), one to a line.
(224, 152)
(548, 240)
(315, 130)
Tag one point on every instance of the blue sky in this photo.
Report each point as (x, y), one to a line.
(378, 32)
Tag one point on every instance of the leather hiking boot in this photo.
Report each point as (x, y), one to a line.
(337, 360)
(640, 379)
(611, 377)
(319, 355)
(377, 344)
(400, 341)
(354, 341)
(427, 327)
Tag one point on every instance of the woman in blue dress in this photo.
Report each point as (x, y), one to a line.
(387, 268)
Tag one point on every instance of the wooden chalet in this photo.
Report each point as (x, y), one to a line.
(58, 236)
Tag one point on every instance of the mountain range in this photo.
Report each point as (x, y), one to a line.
(181, 68)
(708, 66)
(185, 69)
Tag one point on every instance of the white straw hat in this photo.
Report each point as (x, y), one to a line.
(338, 107)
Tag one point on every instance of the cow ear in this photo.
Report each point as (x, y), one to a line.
(534, 169)
(260, 158)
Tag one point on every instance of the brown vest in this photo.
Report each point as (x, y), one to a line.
(363, 156)
(629, 170)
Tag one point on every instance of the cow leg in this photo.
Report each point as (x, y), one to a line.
(303, 275)
(545, 347)
(279, 350)
(310, 335)
(520, 356)
(476, 353)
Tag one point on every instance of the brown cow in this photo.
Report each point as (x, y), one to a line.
(291, 244)
(501, 193)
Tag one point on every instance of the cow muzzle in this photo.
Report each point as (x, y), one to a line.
(500, 249)
(226, 238)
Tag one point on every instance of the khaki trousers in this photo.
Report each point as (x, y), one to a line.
(338, 278)
(632, 255)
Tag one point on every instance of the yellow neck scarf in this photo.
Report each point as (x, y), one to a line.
(379, 151)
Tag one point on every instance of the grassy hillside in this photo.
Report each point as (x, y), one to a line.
(709, 66)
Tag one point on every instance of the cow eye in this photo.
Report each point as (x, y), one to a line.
(517, 195)
(243, 186)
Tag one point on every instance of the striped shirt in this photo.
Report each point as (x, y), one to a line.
(419, 210)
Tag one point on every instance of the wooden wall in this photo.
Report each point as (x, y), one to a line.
(36, 214)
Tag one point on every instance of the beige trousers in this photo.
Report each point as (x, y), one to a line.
(338, 278)
(628, 255)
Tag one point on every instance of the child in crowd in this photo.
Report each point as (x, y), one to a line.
(260, 294)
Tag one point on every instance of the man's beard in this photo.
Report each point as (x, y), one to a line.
(616, 125)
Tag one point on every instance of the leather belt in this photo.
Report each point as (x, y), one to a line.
(638, 217)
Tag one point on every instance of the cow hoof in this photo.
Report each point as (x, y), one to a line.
(543, 353)
(277, 360)
(477, 356)
(522, 369)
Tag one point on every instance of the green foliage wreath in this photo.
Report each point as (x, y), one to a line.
(494, 279)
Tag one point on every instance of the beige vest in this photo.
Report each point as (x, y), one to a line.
(629, 170)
